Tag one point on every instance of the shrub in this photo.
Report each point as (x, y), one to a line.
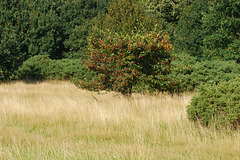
(121, 62)
(68, 69)
(198, 73)
(217, 105)
(41, 67)
(35, 68)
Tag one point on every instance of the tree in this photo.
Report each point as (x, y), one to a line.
(222, 27)
(123, 16)
(210, 30)
(126, 51)
(77, 17)
(122, 61)
(57, 29)
(189, 34)
(13, 28)
(166, 12)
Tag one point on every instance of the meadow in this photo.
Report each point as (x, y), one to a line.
(56, 120)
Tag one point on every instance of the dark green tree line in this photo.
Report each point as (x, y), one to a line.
(210, 30)
(58, 29)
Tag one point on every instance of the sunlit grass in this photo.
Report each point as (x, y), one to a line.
(56, 120)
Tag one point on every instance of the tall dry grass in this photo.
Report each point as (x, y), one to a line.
(56, 120)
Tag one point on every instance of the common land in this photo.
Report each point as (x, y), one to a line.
(56, 120)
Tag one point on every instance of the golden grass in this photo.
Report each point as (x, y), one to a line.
(56, 120)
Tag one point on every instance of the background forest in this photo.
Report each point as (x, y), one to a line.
(41, 40)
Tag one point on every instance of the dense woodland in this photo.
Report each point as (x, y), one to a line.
(49, 39)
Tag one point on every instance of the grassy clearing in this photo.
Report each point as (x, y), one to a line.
(56, 120)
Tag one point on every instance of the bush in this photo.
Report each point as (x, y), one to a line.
(43, 68)
(198, 73)
(122, 61)
(35, 68)
(217, 105)
(68, 69)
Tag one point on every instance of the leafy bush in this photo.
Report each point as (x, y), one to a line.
(198, 73)
(43, 68)
(35, 68)
(121, 62)
(217, 105)
(68, 69)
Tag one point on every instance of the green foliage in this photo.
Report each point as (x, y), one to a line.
(124, 52)
(185, 63)
(60, 29)
(56, 29)
(68, 69)
(13, 26)
(34, 68)
(189, 34)
(217, 105)
(210, 30)
(45, 32)
(43, 68)
(222, 27)
(122, 61)
(77, 16)
(166, 12)
(124, 16)
(197, 73)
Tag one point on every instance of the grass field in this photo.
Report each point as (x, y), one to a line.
(56, 120)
